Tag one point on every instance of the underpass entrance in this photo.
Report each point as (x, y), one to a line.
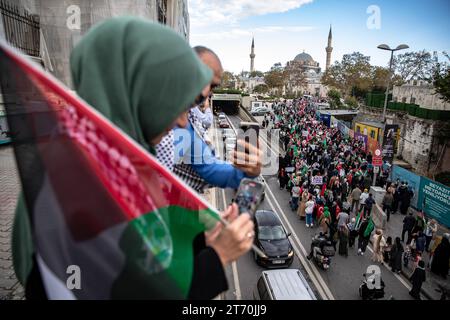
(226, 103)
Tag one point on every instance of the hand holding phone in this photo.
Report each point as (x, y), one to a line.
(249, 196)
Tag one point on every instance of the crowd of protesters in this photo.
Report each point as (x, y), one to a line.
(329, 176)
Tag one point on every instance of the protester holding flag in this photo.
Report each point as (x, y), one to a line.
(96, 199)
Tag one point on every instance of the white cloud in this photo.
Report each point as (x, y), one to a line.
(239, 32)
(207, 12)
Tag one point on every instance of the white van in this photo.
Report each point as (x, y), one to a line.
(283, 284)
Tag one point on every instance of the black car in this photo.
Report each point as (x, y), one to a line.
(272, 239)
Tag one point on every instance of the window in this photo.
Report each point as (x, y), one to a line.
(162, 11)
(358, 129)
(413, 100)
(372, 134)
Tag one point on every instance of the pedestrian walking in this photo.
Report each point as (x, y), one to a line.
(378, 246)
(396, 256)
(417, 279)
(408, 225)
(387, 202)
(356, 196)
(309, 211)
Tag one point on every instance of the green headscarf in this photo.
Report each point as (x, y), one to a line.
(139, 74)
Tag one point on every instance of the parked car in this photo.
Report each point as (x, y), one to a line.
(273, 241)
(288, 284)
(259, 111)
(224, 124)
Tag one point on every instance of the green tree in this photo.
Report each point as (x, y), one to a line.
(275, 79)
(441, 79)
(256, 74)
(228, 80)
(335, 99)
(414, 65)
(351, 102)
(352, 76)
(261, 88)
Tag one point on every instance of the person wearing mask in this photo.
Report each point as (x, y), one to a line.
(417, 279)
(430, 231)
(388, 200)
(193, 159)
(408, 225)
(396, 256)
(137, 98)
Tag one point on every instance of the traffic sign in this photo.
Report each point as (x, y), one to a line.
(378, 152)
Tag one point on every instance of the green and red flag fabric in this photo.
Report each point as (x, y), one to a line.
(95, 198)
(359, 219)
(370, 227)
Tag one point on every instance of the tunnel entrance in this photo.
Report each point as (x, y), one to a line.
(226, 103)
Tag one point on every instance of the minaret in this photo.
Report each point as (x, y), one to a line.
(252, 56)
(329, 49)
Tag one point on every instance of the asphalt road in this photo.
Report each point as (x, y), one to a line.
(340, 282)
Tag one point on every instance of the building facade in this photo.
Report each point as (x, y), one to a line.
(64, 22)
(421, 93)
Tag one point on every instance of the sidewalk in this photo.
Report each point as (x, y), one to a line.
(9, 190)
(394, 229)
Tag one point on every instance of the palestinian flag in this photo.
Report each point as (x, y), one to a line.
(96, 199)
(359, 219)
(370, 227)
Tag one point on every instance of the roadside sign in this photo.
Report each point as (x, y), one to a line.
(377, 161)
(376, 169)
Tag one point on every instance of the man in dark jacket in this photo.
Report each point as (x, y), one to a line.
(408, 225)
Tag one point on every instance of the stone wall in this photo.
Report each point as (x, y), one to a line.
(425, 144)
(422, 95)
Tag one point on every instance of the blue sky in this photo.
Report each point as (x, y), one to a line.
(284, 28)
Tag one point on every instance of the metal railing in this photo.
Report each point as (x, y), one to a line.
(21, 28)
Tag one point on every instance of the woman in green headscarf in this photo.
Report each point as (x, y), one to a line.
(143, 77)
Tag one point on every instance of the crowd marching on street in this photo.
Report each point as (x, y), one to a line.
(329, 175)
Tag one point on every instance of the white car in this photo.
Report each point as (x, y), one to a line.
(259, 111)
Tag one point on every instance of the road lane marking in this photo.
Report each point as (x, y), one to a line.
(309, 266)
(323, 289)
(235, 273)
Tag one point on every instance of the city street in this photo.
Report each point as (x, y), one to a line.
(340, 282)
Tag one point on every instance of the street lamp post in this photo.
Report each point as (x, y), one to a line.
(386, 47)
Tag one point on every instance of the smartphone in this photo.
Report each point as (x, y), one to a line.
(249, 132)
(249, 196)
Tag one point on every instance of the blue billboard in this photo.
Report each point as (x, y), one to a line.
(413, 182)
